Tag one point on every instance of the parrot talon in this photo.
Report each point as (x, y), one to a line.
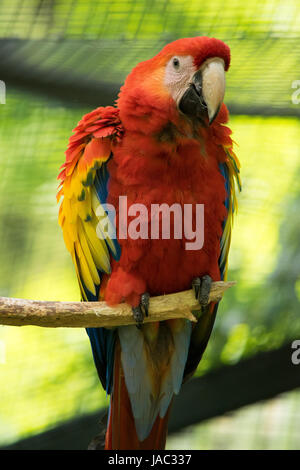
(202, 288)
(145, 298)
(138, 315)
(196, 284)
(141, 310)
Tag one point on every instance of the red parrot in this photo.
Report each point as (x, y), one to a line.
(164, 143)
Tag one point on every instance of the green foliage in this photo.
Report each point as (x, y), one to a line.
(131, 19)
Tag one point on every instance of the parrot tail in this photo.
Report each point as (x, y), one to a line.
(121, 432)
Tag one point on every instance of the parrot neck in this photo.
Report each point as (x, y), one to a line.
(171, 148)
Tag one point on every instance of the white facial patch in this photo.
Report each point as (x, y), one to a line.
(178, 75)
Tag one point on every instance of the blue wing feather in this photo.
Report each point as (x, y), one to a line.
(102, 339)
(224, 170)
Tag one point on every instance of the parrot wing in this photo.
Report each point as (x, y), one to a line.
(83, 218)
(84, 178)
(230, 169)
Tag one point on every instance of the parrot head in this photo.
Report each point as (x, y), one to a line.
(185, 80)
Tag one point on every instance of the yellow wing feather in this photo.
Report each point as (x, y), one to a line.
(80, 211)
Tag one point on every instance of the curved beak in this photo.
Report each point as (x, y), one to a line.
(205, 94)
(213, 86)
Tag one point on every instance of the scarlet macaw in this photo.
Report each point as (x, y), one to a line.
(164, 142)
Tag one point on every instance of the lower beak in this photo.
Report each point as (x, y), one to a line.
(204, 96)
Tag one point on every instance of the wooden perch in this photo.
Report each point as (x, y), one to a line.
(19, 312)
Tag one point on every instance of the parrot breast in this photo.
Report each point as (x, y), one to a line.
(183, 174)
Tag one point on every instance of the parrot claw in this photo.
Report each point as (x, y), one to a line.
(138, 315)
(141, 310)
(202, 286)
(145, 298)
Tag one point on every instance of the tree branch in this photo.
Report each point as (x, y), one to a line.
(20, 312)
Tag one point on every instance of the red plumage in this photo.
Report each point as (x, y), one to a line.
(179, 173)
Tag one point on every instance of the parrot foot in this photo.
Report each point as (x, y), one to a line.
(202, 286)
(141, 310)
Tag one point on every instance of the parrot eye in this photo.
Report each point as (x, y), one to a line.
(176, 63)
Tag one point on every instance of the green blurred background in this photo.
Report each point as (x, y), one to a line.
(59, 59)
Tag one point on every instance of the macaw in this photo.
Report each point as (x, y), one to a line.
(165, 142)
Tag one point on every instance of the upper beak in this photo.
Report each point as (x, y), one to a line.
(213, 86)
(204, 96)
